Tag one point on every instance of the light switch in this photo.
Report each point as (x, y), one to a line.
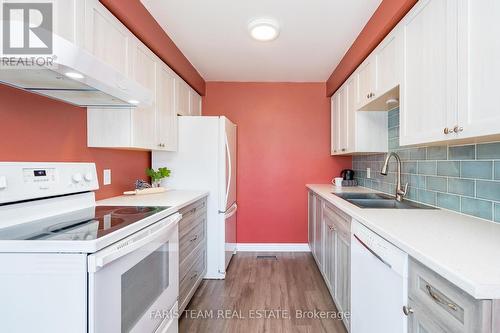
(3, 182)
(368, 173)
(107, 177)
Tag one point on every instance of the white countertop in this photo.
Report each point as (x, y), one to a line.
(463, 249)
(176, 199)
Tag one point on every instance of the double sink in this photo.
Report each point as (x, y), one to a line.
(379, 201)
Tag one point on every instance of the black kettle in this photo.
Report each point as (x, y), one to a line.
(347, 174)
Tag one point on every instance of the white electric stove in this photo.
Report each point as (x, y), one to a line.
(67, 265)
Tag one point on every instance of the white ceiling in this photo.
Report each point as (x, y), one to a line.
(213, 35)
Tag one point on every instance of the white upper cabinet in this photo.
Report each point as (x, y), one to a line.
(166, 116)
(106, 37)
(479, 68)
(355, 131)
(366, 78)
(429, 87)
(183, 99)
(389, 61)
(144, 71)
(194, 103)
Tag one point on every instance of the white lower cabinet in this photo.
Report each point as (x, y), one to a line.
(331, 250)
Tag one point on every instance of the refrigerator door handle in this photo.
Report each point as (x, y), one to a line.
(229, 212)
(229, 163)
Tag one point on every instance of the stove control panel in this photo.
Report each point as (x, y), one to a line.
(26, 181)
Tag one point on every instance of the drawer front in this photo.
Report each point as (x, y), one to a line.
(195, 233)
(453, 309)
(341, 220)
(194, 209)
(194, 273)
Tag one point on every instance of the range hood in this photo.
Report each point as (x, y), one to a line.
(77, 77)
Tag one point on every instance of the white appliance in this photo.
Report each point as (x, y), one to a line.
(67, 265)
(379, 283)
(98, 84)
(206, 159)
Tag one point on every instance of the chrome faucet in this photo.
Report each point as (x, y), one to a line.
(400, 192)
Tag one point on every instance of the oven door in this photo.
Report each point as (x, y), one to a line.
(134, 283)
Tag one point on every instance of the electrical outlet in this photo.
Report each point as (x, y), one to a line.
(107, 177)
(368, 173)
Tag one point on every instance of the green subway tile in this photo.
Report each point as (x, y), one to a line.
(479, 208)
(417, 181)
(497, 170)
(393, 121)
(409, 167)
(418, 154)
(404, 154)
(393, 132)
(412, 194)
(427, 197)
(437, 184)
(448, 168)
(497, 212)
(448, 201)
(394, 144)
(394, 112)
(427, 168)
(476, 169)
(462, 152)
(461, 186)
(488, 151)
(488, 190)
(437, 153)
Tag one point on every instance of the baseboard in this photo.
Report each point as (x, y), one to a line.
(273, 247)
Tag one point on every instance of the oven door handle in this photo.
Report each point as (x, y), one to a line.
(131, 243)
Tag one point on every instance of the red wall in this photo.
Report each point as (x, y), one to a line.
(36, 129)
(385, 18)
(283, 144)
(137, 18)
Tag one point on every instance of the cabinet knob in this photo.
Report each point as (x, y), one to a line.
(343, 149)
(458, 129)
(447, 131)
(407, 310)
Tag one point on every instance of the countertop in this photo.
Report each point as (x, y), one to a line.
(175, 199)
(463, 249)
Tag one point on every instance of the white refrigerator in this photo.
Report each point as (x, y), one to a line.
(206, 160)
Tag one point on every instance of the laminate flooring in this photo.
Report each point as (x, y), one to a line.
(264, 295)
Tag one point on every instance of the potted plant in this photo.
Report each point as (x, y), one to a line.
(158, 175)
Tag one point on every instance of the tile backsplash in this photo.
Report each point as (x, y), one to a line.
(463, 178)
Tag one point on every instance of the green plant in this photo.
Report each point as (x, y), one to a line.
(157, 175)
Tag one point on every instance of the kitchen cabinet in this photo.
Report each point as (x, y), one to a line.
(311, 212)
(366, 78)
(436, 305)
(106, 37)
(333, 258)
(194, 103)
(166, 116)
(429, 85)
(355, 131)
(183, 98)
(478, 68)
(388, 63)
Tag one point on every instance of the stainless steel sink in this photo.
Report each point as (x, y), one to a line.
(379, 201)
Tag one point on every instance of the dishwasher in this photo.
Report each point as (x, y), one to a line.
(379, 283)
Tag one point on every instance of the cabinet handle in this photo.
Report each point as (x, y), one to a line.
(457, 129)
(343, 149)
(332, 228)
(438, 299)
(193, 239)
(368, 96)
(447, 131)
(407, 310)
(194, 275)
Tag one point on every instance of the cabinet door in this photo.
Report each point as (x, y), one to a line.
(335, 134)
(343, 270)
(329, 241)
(388, 59)
(182, 98)
(342, 119)
(194, 103)
(166, 117)
(366, 82)
(420, 321)
(310, 220)
(144, 118)
(106, 37)
(350, 122)
(429, 85)
(479, 67)
(318, 232)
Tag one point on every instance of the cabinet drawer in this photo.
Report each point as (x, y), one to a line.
(194, 210)
(193, 275)
(341, 219)
(452, 308)
(194, 233)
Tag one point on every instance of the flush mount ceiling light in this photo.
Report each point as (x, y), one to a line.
(74, 75)
(134, 102)
(264, 29)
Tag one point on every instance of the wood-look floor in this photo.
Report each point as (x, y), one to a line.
(293, 282)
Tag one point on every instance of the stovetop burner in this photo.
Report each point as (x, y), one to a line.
(86, 224)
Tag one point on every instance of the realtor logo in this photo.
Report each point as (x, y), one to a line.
(27, 28)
